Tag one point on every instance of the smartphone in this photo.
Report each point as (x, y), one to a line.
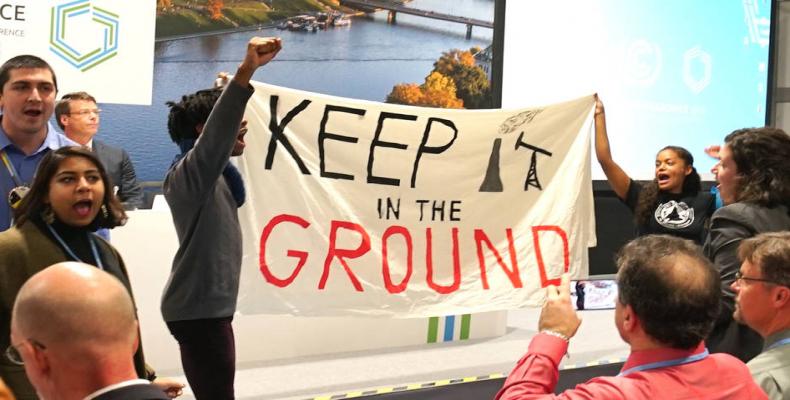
(594, 294)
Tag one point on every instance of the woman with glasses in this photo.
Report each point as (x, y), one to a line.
(754, 182)
(55, 221)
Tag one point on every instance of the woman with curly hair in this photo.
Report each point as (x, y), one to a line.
(754, 181)
(673, 203)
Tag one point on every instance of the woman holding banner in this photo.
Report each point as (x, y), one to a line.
(672, 203)
(754, 182)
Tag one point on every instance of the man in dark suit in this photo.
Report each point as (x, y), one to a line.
(73, 327)
(78, 115)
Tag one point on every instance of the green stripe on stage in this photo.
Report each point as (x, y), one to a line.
(433, 329)
(466, 322)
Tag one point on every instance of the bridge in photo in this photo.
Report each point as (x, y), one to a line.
(394, 9)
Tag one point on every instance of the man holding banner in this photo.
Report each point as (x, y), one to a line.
(204, 191)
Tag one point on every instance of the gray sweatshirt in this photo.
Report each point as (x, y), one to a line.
(204, 280)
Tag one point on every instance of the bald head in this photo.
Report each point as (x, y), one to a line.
(73, 305)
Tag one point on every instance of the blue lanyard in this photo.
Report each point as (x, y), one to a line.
(667, 363)
(779, 343)
(71, 253)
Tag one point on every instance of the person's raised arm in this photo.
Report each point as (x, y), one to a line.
(713, 152)
(208, 158)
(618, 179)
(259, 52)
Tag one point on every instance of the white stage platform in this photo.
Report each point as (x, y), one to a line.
(283, 357)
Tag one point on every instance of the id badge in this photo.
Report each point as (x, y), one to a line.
(16, 195)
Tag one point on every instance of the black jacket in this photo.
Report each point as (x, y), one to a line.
(729, 226)
(134, 392)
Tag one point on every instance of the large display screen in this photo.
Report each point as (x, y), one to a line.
(670, 72)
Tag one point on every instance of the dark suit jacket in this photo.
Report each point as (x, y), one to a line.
(134, 392)
(121, 171)
(729, 226)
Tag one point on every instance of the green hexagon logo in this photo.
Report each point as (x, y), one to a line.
(82, 34)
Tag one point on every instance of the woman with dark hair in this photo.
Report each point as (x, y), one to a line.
(672, 203)
(754, 182)
(55, 222)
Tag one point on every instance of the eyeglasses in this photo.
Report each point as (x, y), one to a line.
(83, 113)
(12, 354)
(739, 277)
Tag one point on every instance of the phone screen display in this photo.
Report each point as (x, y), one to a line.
(594, 294)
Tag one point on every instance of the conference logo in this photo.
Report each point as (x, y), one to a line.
(697, 69)
(643, 63)
(83, 34)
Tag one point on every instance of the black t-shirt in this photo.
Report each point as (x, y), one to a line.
(680, 215)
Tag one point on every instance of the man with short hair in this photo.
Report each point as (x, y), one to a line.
(74, 328)
(668, 300)
(78, 116)
(27, 97)
(762, 301)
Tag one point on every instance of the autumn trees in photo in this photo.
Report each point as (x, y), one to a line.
(454, 82)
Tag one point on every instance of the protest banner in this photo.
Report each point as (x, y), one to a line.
(372, 209)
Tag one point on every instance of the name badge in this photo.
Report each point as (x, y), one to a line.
(16, 195)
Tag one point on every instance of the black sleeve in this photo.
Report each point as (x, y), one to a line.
(727, 229)
(632, 195)
(707, 207)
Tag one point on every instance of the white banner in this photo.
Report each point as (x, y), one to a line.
(372, 209)
(103, 47)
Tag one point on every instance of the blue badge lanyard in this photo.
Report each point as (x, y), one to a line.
(779, 343)
(667, 363)
(11, 169)
(71, 253)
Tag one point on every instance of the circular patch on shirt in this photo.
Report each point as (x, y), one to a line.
(674, 215)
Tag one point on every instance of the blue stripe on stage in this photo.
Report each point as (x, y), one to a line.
(449, 327)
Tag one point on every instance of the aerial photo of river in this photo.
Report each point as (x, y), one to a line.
(363, 60)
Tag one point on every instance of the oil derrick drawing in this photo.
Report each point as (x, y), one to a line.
(532, 175)
(492, 181)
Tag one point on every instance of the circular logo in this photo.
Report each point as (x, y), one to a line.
(643, 63)
(674, 215)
